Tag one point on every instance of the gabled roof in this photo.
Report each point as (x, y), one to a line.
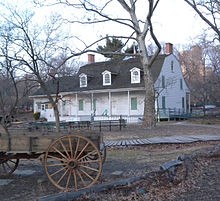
(120, 76)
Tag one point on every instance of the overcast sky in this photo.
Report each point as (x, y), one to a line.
(174, 21)
(177, 22)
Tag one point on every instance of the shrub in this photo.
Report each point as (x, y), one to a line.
(36, 115)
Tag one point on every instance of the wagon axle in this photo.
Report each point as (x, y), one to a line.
(72, 164)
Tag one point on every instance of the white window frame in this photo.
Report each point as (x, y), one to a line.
(135, 75)
(83, 80)
(44, 106)
(106, 80)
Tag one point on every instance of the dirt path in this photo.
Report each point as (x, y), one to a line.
(129, 160)
(163, 129)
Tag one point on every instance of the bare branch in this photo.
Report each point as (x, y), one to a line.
(213, 11)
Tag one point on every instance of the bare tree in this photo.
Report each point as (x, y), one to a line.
(200, 65)
(140, 29)
(65, 69)
(209, 12)
(212, 73)
(33, 47)
(8, 91)
(193, 65)
(205, 89)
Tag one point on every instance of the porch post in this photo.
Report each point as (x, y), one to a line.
(92, 102)
(129, 103)
(189, 100)
(61, 106)
(77, 105)
(109, 103)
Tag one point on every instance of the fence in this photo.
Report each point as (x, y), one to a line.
(169, 114)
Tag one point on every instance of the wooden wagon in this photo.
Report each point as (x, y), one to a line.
(72, 160)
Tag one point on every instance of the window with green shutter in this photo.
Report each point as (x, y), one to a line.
(134, 103)
(81, 105)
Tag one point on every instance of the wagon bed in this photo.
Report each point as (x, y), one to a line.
(72, 159)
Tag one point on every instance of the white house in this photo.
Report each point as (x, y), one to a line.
(108, 90)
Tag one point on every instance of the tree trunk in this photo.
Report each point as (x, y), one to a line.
(149, 101)
(53, 102)
(57, 117)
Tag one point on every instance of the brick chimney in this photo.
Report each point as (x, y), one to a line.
(168, 48)
(91, 58)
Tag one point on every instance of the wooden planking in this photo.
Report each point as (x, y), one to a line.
(163, 140)
(3, 144)
(38, 142)
(25, 143)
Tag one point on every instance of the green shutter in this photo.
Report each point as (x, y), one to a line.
(163, 102)
(163, 81)
(181, 84)
(133, 103)
(183, 102)
(94, 104)
(80, 105)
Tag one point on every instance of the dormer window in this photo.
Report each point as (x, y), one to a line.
(83, 80)
(135, 75)
(106, 76)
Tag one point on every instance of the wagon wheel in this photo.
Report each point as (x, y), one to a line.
(73, 162)
(7, 166)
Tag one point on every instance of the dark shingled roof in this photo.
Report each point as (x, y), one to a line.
(120, 76)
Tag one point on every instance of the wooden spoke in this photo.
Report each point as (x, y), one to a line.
(77, 147)
(58, 151)
(70, 147)
(89, 161)
(88, 175)
(68, 180)
(56, 164)
(81, 178)
(58, 171)
(92, 153)
(61, 178)
(90, 168)
(82, 151)
(73, 162)
(75, 180)
(56, 158)
(64, 148)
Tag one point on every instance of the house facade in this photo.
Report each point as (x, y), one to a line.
(113, 89)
